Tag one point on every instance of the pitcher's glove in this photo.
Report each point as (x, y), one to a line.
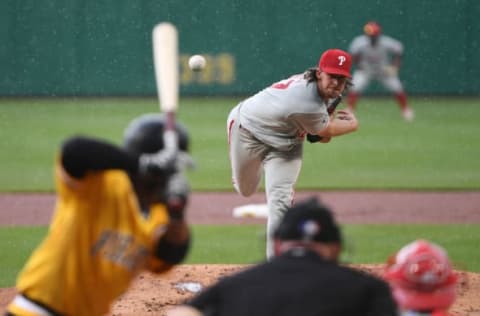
(314, 138)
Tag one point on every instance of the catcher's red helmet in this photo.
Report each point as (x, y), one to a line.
(421, 277)
(372, 28)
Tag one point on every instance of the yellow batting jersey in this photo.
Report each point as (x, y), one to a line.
(97, 243)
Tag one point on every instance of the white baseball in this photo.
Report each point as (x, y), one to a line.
(197, 62)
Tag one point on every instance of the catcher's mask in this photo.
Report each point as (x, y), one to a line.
(422, 277)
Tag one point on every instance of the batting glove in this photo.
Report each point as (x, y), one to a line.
(184, 162)
(178, 192)
(163, 160)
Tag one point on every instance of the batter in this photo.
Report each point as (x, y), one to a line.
(116, 215)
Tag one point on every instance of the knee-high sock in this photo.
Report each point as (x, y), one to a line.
(402, 100)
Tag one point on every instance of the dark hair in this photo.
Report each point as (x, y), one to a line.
(308, 220)
(311, 76)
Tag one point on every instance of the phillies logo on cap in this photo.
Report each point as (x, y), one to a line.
(336, 62)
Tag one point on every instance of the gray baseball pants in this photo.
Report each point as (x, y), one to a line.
(250, 158)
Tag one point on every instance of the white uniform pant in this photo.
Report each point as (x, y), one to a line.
(249, 158)
(361, 79)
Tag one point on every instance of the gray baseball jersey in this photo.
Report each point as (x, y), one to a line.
(375, 58)
(265, 134)
(373, 62)
(283, 113)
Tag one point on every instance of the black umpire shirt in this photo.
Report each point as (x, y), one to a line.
(298, 282)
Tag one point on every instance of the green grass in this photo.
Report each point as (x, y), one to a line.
(16, 244)
(363, 243)
(245, 244)
(439, 150)
(374, 243)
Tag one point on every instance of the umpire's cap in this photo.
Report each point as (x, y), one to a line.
(308, 220)
(144, 134)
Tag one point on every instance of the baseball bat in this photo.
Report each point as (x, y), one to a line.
(165, 58)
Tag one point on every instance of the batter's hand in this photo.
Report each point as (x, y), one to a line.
(176, 205)
(178, 191)
(157, 163)
(164, 160)
(184, 162)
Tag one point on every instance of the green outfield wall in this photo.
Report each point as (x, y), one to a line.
(90, 47)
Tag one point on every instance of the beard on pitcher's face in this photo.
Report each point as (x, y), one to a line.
(331, 86)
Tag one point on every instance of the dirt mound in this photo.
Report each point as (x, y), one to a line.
(153, 295)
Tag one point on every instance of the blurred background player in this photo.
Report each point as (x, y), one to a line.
(422, 279)
(377, 57)
(304, 277)
(119, 211)
(266, 132)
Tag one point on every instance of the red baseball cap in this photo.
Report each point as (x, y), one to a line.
(336, 62)
(372, 28)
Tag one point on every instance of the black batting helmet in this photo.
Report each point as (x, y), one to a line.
(144, 134)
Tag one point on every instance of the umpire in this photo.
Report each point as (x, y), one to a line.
(303, 278)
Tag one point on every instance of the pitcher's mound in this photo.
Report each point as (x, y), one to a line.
(154, 295)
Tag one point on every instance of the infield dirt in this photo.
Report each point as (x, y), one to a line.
(151, 295)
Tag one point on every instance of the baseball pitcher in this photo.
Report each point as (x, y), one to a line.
(266, 131)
